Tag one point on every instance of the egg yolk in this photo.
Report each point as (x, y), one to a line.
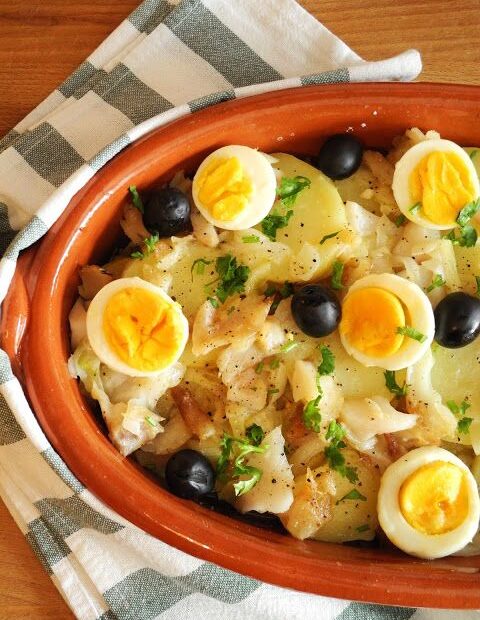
(443, 185)
(224, 188)
(142, 329)
(370, 318)
(434, 498)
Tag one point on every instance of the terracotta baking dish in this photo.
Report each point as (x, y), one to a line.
(35, 335)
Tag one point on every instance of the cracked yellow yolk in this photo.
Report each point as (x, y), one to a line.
(443, 185)
(434, 499)
(370, 318)
(142, 329)
(224, 188)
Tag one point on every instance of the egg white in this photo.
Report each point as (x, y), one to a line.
(258, 168)
(96, 335)
(397, 528)
(420, 317)
(406, 165)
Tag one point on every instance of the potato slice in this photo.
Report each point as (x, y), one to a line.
(318, 211)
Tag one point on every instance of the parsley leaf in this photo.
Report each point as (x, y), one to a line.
(312, 417)
(337, 274)
(213, 301)
(242, 447)
(150, 244)
(468, 212)
(467, 239)
(232, 278)
(288, 346)
(459, 411)
(255, 434)
(415, 208)
(149, 420)
(362, 528)
(392, 384)
(259, 367)
(412, 333)
(399, 220)
(251, 239)
(284, 292)
(477, 280)
(272, 391)
(199, 266)
(136, 200)
(273, 222)
(327, 365)
(336, 460)
(275, 363)
(463, 425)
(330, 236)
(289, 189)
(436, 283)
(353, 494)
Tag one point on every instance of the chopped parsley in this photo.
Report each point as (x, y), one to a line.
(151, 421)
(255, 434)
(327, 365)
(232, 455)
(274, 222)
(362, 528)
(412, 333)
(288, 346)
(150, 244)
(330, 236)
(213, 302)
(251, 239)
(136, 200)
(468, 235)
(259, 367)
(437, 282)
(287, 192)
(468, 212)
(354, 494)
(289, 189)
(459, 411)
(232, 278)
(312, 417)
(399, 220)
(272, 391)
(199, 265)
(333, 454)
(415, 208)
(337, 274)
(477, 280)
(275, 363)
(285, 291)
(392, 385)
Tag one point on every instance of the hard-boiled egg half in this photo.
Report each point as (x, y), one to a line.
(135, 328)
(387, 321)
(234, 188)
(428, 503)
(433, 181)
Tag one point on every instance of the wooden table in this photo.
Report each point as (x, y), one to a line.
(42, 41)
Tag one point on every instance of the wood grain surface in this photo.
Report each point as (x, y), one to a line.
(43, 41)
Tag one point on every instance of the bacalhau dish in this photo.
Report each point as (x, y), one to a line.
(299, 339)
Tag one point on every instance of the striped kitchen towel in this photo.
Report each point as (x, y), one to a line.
(166, 60)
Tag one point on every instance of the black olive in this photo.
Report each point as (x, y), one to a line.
(316, 310)
(167, 212)
(457, 320)
(189, 474)
(340, 156)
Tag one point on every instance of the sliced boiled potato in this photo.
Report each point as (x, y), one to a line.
(318, 211)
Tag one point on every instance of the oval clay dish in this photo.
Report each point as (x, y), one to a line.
(35, 335)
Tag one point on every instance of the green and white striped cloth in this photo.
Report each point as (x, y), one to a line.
(168, 59)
